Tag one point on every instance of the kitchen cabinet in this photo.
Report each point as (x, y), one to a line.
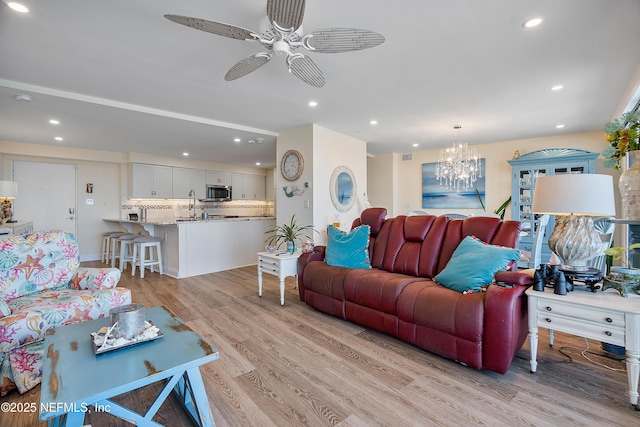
(248, 187)
(150, 181)
(243, 186)
(218, 177)
(525, 170)
(260, 187)
(185, 180)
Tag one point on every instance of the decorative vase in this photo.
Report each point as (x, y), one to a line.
(291, 247)
(629, 186)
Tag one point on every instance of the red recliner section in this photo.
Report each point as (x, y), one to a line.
(397, 296)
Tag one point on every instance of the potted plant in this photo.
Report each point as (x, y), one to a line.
(624, 280)
(288, 233)
(622, 136)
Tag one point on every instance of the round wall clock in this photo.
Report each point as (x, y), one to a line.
(292, 165)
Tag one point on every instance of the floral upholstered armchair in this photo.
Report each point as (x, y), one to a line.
(42, 286)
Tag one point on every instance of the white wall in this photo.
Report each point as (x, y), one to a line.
(301, 139)
(323, 151)
(381, 181)
(330, 150)
(408, 176)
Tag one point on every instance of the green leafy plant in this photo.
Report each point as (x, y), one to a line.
(502, 209)
(622, 135)
(616, 252)
(288, 233)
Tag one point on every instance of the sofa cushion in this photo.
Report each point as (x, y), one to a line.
(350, 250)
(34, 314)
(474, 264)
(36, 262)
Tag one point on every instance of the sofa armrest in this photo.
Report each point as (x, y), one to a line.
(91, 278)
(303, 260)
(514, 278)
(505, 328)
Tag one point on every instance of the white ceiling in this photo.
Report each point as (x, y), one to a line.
(121, 77)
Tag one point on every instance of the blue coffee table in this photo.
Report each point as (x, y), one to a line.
(76, 380)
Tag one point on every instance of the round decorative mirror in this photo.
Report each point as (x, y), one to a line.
(342, 188)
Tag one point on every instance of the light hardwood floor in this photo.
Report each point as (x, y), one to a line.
(291, 365)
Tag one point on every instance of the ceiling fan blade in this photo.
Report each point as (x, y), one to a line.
(336, 40)
(247, 65)
(218, 28)
(286, 14)
(306, 70)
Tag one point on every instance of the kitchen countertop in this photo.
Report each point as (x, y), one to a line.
(212, 218)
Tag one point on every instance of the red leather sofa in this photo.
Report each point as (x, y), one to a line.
(396, 296)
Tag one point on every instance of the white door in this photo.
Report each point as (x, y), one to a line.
(46, 195)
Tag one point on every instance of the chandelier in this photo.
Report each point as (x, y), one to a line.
(459, 166)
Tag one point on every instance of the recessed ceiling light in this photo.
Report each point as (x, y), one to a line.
(416, 145)
(54, 122)
(58, 138)
(185, 154)
(236, 140)
(24, 97)
(257, 163)
(557, 87)
(18, 7)
(373, 122)
(313, 103)
(532, 23)
(559, 126)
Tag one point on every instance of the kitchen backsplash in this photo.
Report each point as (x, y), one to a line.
(167, 210)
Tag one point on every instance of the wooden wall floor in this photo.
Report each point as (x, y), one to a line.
(291, 365)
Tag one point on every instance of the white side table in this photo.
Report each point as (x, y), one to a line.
(602, 316)
(280, 265)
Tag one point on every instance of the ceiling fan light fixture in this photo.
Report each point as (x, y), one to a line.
(281, 48)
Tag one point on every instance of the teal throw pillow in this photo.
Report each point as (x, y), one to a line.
(349, 250)
(473, 265)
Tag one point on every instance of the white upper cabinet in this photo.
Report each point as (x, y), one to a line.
(218, 178)
(150, 181)
(185, 180)
(260, 187)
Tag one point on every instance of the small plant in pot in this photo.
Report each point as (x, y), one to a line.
(288, 234)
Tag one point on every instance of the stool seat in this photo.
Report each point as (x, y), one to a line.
(140, 246)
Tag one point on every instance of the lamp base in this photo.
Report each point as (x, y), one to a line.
(575, 240)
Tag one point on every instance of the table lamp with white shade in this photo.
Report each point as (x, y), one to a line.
(8, 192)
(574, 199)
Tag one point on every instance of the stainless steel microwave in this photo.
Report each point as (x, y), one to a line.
(218, 193)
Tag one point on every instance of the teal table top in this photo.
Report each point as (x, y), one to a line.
(74, 375)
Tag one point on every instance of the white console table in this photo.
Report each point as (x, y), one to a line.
(602, 316)
(280, 265)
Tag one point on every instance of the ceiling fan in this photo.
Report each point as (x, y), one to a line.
(280, 33)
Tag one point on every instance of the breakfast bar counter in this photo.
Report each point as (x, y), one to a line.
(195, 247)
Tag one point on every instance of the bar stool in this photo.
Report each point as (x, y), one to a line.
(106, 245)
(109, 243)
(115, 247)
(140, 246)
(126, 250)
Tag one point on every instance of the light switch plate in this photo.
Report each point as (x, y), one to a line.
(89, 202)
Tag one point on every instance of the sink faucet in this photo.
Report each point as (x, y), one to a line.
(192, 203)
